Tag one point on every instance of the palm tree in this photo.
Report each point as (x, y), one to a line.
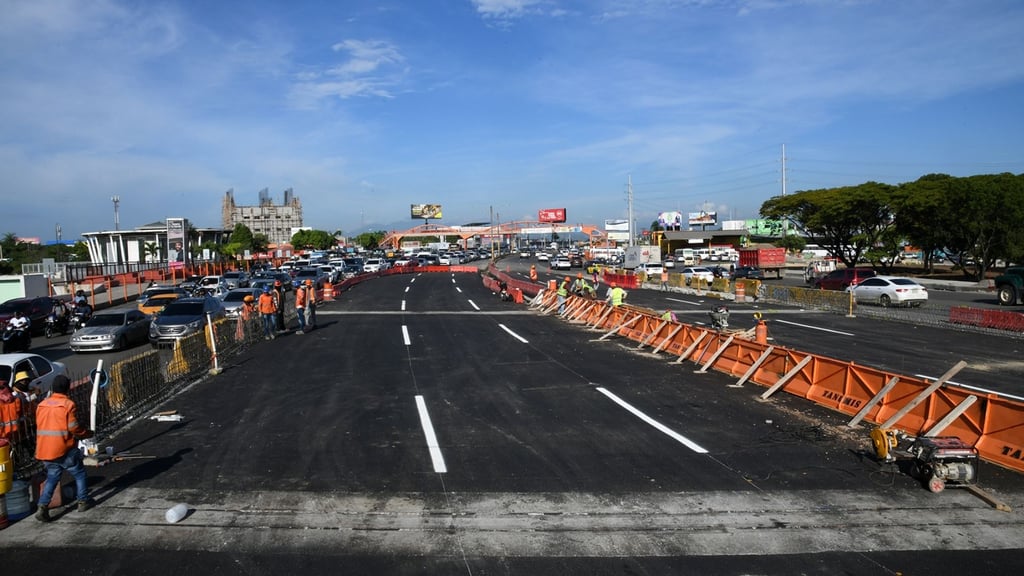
(152, 250)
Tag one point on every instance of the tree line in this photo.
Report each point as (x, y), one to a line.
(974, 220)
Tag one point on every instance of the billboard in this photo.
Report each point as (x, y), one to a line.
(177, 242)
(703, 218)
(551, 215)
(617, 230)
(670, 220)
(425, 211)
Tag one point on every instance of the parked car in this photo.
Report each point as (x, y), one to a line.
(844, 278)
(701, 273)
(155, 303)
(41, 370)
(236, 279)
(234, 299)
(112, 330)
(650, 269)
(183, 317)
(889, 291)
(750, 272)
(35, 309)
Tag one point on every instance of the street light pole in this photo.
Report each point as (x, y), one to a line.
(117, 222)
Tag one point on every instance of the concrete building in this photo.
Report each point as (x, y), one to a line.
(119, 247)
(276, 221)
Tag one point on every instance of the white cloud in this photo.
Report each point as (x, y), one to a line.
(504, 9)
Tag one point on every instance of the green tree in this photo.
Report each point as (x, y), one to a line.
(242, 237)
(792, 242)
(152, 251)
(370, 240)
(313, 240)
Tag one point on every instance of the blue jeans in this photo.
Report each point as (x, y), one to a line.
(72, 462)
(269, 321)
(311, 316)
(301, 314)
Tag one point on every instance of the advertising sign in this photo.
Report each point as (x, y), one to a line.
(177, 242)
(425, 211)
(670, 220)
(551, 215)
(703, 218)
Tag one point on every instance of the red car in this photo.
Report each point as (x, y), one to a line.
(843, 279)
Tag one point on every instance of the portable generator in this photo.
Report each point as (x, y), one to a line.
(935, 461)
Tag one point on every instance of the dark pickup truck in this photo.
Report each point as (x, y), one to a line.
(1010, 286)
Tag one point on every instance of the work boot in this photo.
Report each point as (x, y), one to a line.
(43, 514)
(84, 505)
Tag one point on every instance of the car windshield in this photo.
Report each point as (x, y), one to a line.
(232, 275)
(184, 309)
(106, 320)
(236, 296)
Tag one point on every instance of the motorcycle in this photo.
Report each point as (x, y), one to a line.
(79, 317)
(16, 340)
(719, 317)
(56, 325)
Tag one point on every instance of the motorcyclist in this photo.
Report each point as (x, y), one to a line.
(82, 312)
(19, 322)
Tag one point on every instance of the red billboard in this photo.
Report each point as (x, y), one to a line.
(551, 215)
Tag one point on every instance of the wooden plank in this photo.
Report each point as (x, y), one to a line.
(789, 375)
(874, 400)
(924, 394)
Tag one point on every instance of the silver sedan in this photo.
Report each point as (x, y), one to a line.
(112, 330)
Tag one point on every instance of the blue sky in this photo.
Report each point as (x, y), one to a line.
(365, 107)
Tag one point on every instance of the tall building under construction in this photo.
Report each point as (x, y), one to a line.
(277, 221)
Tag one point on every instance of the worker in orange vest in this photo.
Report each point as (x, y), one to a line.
(10, 413)
(57, 428)
(533, 272)
(268, 308)
(301, 296)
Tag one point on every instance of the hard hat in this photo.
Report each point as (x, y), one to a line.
(277, 282)
(248, 299)
(309, 282)
(266, 288)
(567, 279)
(613, 284)
(22, 376)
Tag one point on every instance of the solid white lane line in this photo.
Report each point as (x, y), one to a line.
(665, 429)
(514, 335)
(428, 432)
(701, 303)
(969, 387)
(405, 335)
(403, 305)
(473, 304)
(811, 327)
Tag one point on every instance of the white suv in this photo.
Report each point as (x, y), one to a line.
(705, 275)
(373, 265)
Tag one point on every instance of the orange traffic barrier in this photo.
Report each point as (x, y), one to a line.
(328, 292)
(993, 424)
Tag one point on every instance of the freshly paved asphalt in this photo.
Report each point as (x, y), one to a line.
(546, 452)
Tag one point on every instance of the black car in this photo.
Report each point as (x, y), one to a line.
(576, 261)
(750, 272)
(719, 271)
(276, 275)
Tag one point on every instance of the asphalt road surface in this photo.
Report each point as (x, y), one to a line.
(425, 427)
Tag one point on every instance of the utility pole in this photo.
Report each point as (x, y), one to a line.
(629, 201)
(117, 221)
(785, 221)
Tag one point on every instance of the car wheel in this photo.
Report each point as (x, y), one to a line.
(884, 300)
(1007, 295)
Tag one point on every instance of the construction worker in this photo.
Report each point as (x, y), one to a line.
(301, 295)
(616, 294)
(533, 272)
(248, 306)
(279, 296)
(669, 316)
(310, 305)
(580, 287)
(268, 309)
(664, 279)
(10, 413)
(57, 428)
(563, 293)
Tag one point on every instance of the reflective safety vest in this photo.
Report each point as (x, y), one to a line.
(56, 427)
(10, 413)
(533, 273)
(300, 297)
(267, 304)
(563, 289)
(616, 296)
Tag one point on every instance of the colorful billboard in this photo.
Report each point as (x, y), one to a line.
(670, 220)
(703, 218)
(551, 215)
(425, 211)
(177, 242)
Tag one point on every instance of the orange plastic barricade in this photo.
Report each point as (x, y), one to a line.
(328, 292)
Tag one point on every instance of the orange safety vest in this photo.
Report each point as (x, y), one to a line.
(533, 273)
(56, 427)
(300, 297)
(267, 305)
(10, 413)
